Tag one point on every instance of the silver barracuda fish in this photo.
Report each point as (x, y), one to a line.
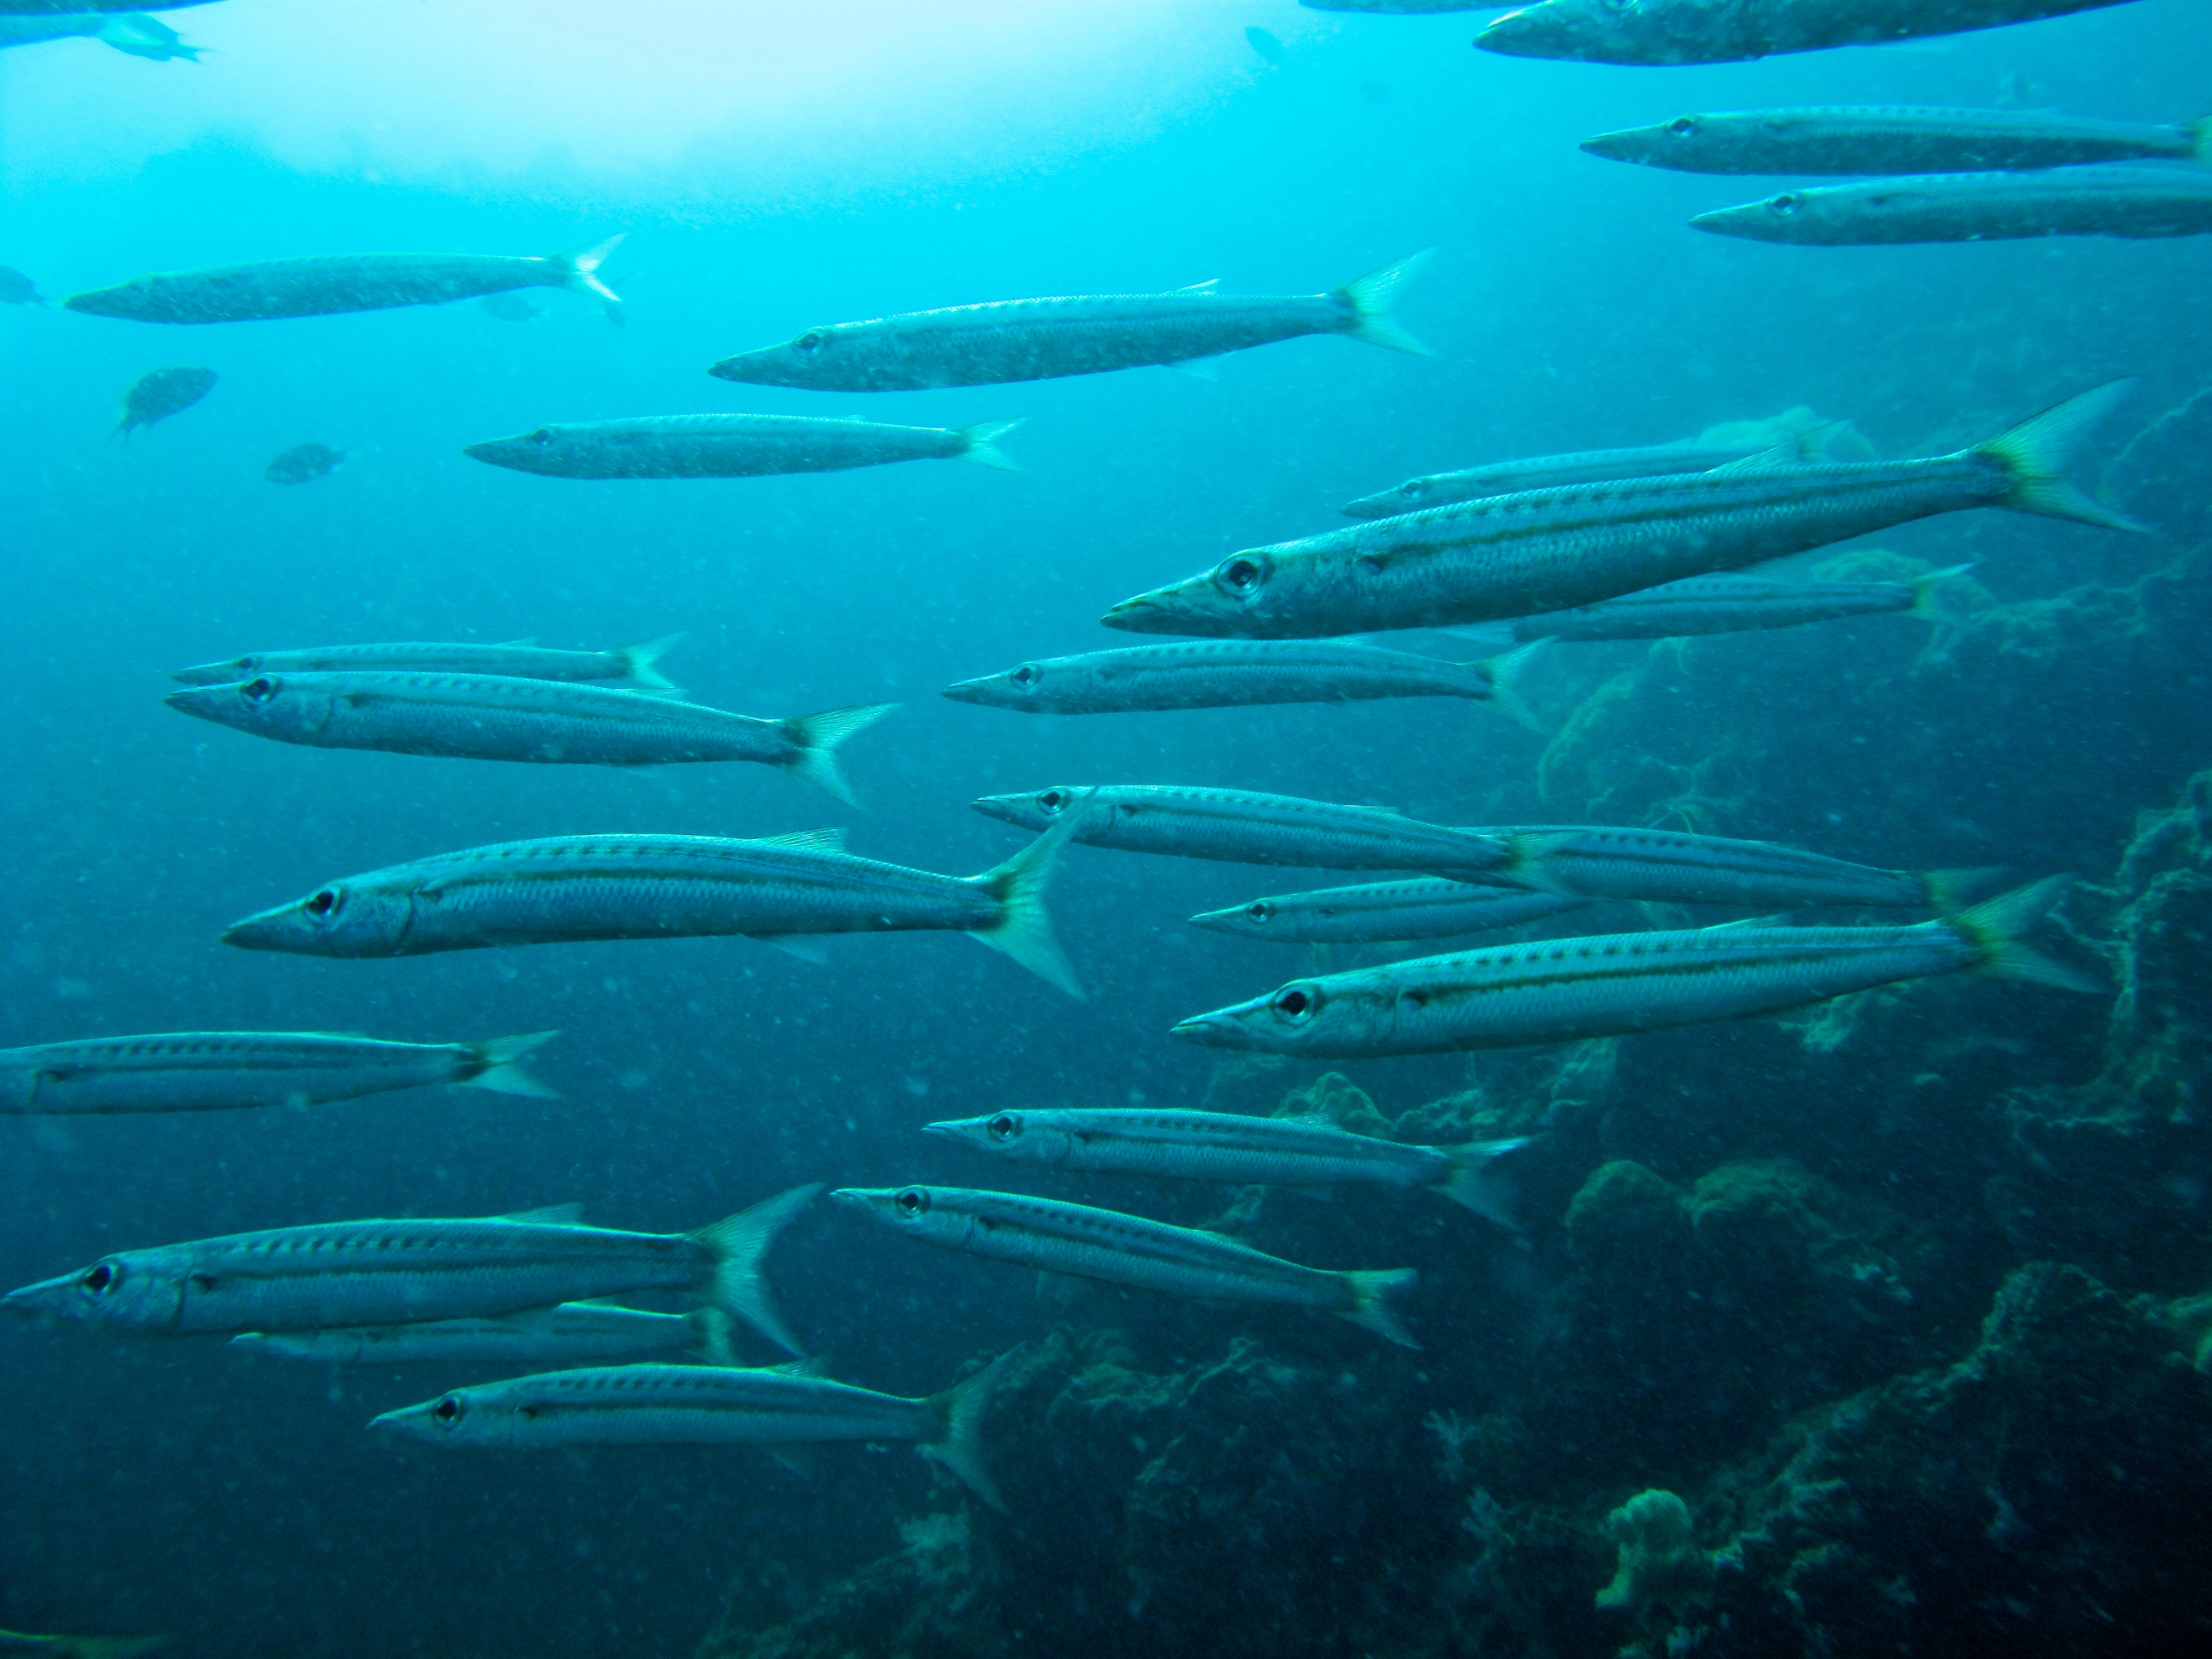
(216, 1071)
(1553, 549)
(775, 1407)
(48, 7)
(1128, 1249)
(629, 667)
(1735, 30)
(1225, 1147)
(1734, 441)
(1243, 826)
(1978, 207)
(395, 1273)
(570, 1333)
(341, 282)
(17, 1644)
(1591, 861)
(1008, 340)
(1427, 908)
(1844, 140)
(1566, 989)
(140, 36)
(735, 446)
(494, 717)
(1242, 674)
(784, 889)
(1733, 605)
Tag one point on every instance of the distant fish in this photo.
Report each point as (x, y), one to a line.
(1553, 549)
(1817, 439)
(1734, 604)
(511, 309)
(1979, 207)
(1383, 911)
(342, 282)
(15, 1645)
(161, 392)
(782, 889)
(630, 666)
(18, 289)
(132, 32)
(735, 446)
(1128, 1249)
(1268, 44)
(1242, 674)
(41, 8)
(216, 1071)
(1889, 140)
(1402, 8)
(303, 463)
(1563, 990)
(1700, 32)
(1090, 334)
(1225, 1147)
(393, 1272)
(1244, 826)
(1673, 866)
(494, 717)
(775, 1407)
(572, 1332)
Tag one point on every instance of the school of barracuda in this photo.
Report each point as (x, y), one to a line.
(1604, 544)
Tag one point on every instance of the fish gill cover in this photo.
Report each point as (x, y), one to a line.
(1756, 1319)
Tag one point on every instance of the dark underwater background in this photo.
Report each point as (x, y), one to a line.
(1895, 1294)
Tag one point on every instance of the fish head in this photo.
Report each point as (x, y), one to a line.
(1789, 215)
(1341, 1014)
(1253, 920)
(554, 451)
(268, 704)
(132, 299)
(219, 673)
(338, 919)
(1667, 144)
(921, 1211)
(1253, 594)
(464, 1417)
(1033, 1136)
(1026, 686)
(1409, 497)
(1591, 31)
(817, 358)
(134, 1290)
(1039, 809)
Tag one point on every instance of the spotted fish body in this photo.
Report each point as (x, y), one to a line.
(630, 666)
(1878, 140)
(1128, 1249)
(1737, 31)
(1978, 207)
(1386, 910)
(1553, 549)
(1473, 484)
(1589, 861)
(733, 447)
(215, 1071)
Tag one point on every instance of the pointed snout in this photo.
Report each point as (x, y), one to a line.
(1140, 615)
(414, 1420)
(195, 699)
(976, 691)
(265, 930)
(1216, 1031)
(1627, 145)
(209, 673)
(34, 1300)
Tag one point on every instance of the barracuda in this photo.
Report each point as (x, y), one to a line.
(1552, 550)
(785, 888)
(1586, 861)
(1088, 334)
(214, 1071)
(344, 282)
(1563, 990)
(495, 717)
(735, 446)
(1243, 826)
(1383, 910)
(572, 1332)
(1734, 604)
(1978, 207)
(1128, 1249)
(1827, 141)
(1242, 674)
(1735, 30)
(775, 1407)
(390, 1272)
(632, 667)
(1222, 1146)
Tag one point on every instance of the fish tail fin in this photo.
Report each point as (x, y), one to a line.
(982, 444)
(714, 1329)
(1994, 928)
(583, 266)
(2036, 453)
(1949, 891)
(498, 1066)
(961, 1448)
(1023, 929)
(1925, 586)
(1367, 300)
(640, 659)
(1482, 1189)
(1831, 440)
(815, 738)
(2201, 131)
(1525, 866)
(739, 1242)
(1503, 674)
(1373, 1290)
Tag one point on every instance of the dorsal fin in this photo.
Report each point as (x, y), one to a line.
(1205, 286)
(551, 1215)
(831, 839)
(1798, 449)
(811, 1365)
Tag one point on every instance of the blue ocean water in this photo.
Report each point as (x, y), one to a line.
(175, 1487)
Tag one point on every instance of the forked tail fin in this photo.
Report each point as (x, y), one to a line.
(712, 1326)
(1473, 1183)
(1373, 1290)
(1950, 891)
(1925, 604)
(814, 741)
(1503, 674)
(961, 1448)
(2201, 131)
(1023, 930)
(983, 443)
(739, 1242)
(640, 661)
(498, 1066)
(1995, 927)
(583, 267)
(2036, 453)
(1367, 302)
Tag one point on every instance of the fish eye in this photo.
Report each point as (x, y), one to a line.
(1260, 910)
(1682, 125)
(325, 904)
(1052, 802)
(1296, 1003)
(1413, 489)
(1026, 675)
(99, 1279)
(1241, 573)
(1006, 1126)
(914, 1202)
(258, 690)
(810, 341)
(449, 1409)
(1785, 204)
(542, 435)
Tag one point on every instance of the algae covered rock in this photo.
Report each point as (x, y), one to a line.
(1660, 1566)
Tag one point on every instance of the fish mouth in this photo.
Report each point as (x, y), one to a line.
(1003, 808)
(492, 450)
(742, 367)
(207, 673)
(1216, 1031)
(265, 930)
(1536, 31)
(33, 1301)
(193, 699)
(1217, 920)
(1731, 221)
(1152, 613)
(967, 692)
(1613, 146)
(946, 1131)
(98, 302)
